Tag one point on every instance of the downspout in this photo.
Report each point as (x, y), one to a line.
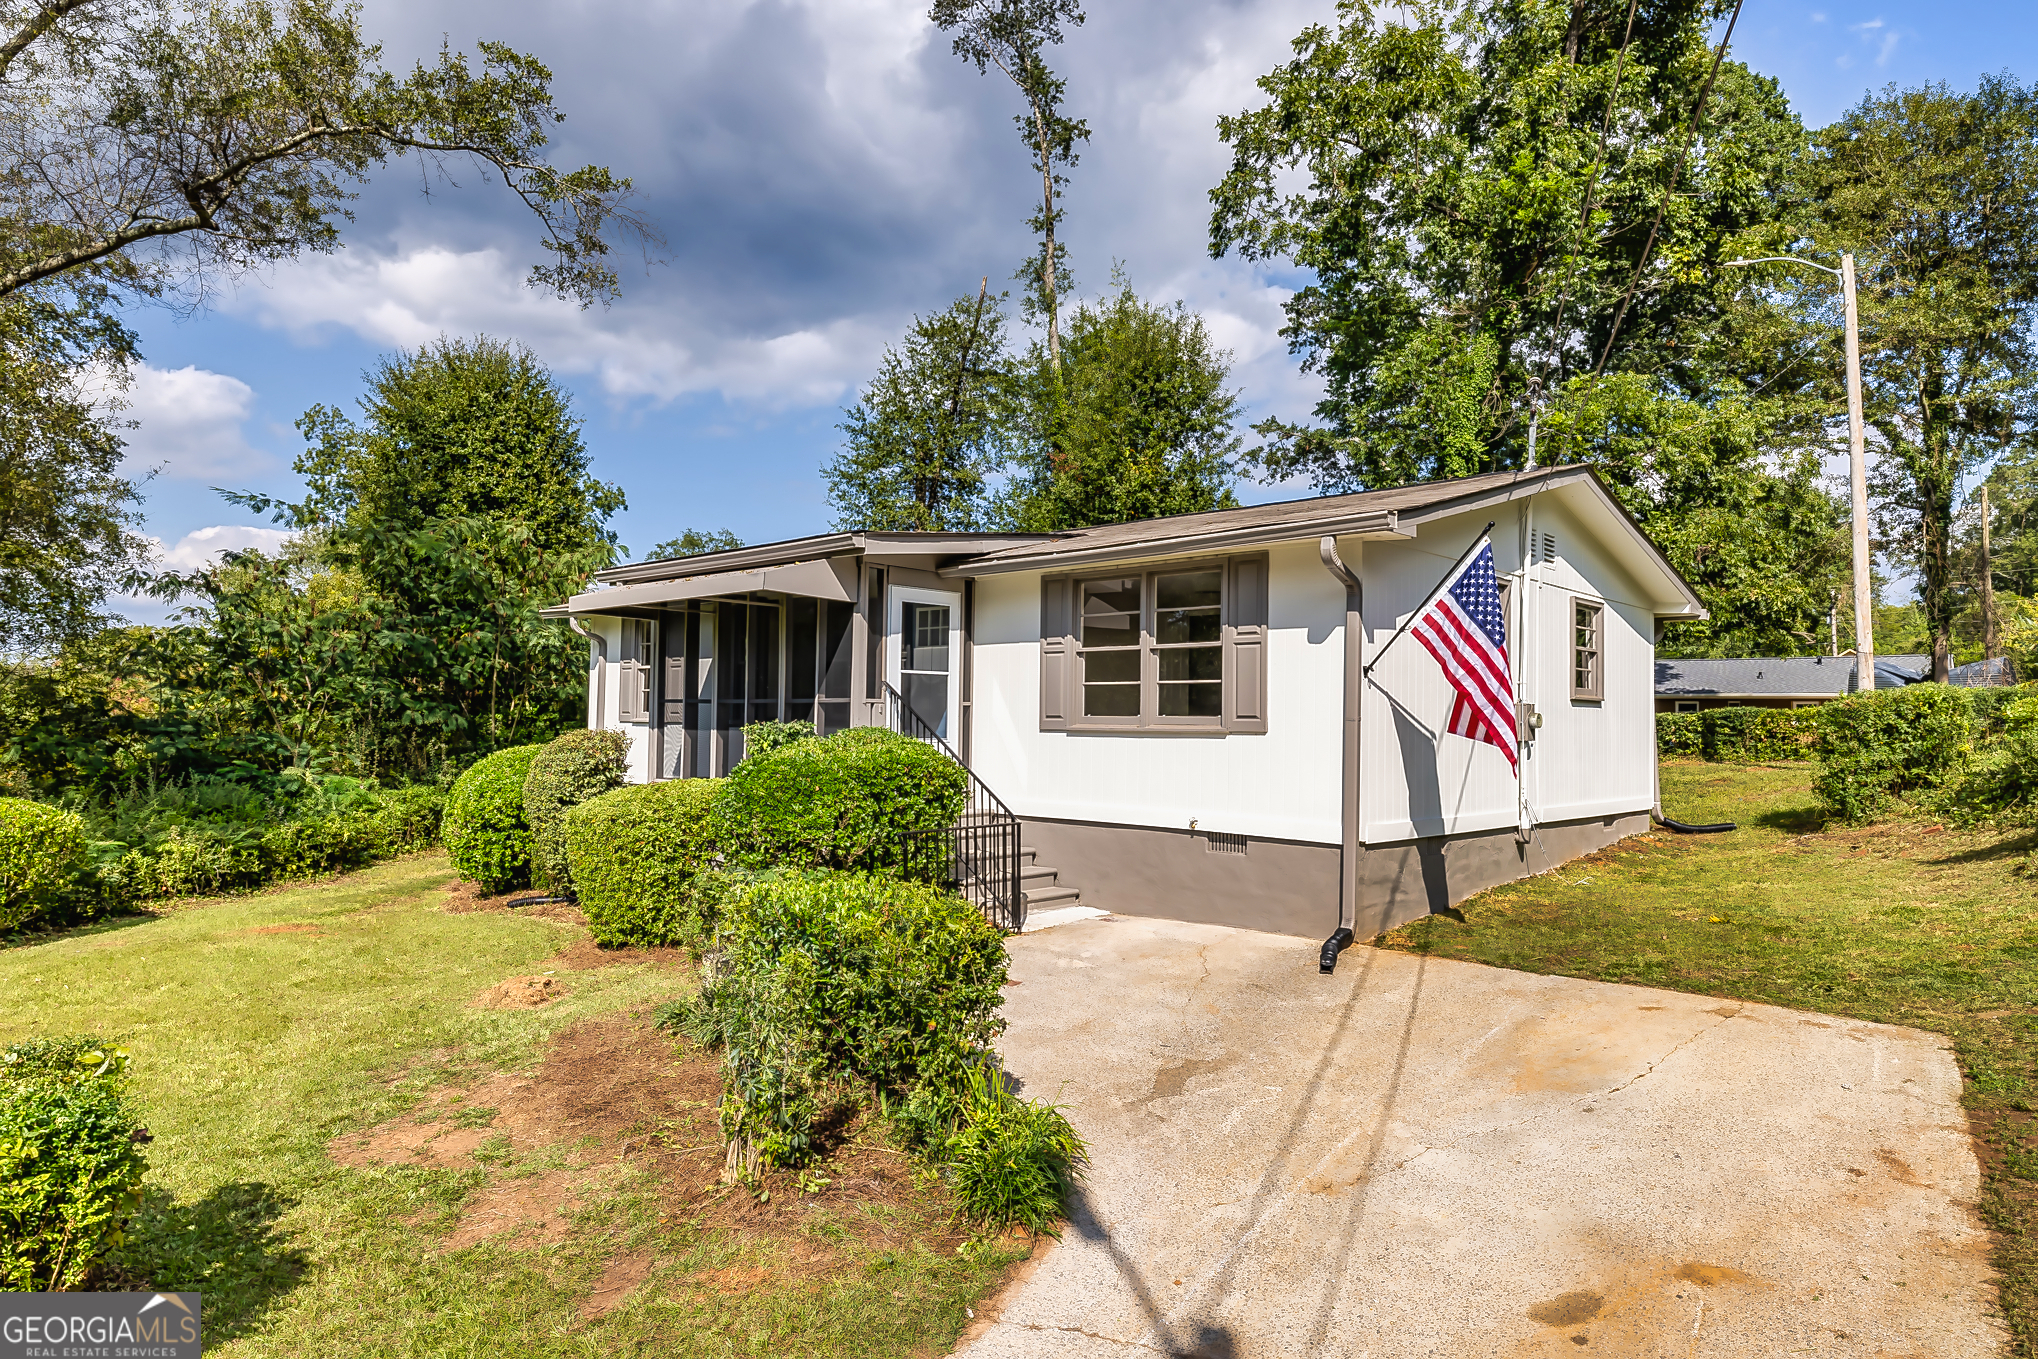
(600, 646)
(1350, 850)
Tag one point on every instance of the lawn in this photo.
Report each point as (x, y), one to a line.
(1904, 922)
(353, 1157)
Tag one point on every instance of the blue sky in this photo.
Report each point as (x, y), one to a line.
(823, 169)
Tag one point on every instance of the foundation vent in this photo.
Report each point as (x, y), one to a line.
(1220, 842)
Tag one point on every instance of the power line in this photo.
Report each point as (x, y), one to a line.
(1676, 173)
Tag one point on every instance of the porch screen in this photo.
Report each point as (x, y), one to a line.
(1181, 647)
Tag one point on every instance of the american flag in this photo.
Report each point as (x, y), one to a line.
(1466, 630)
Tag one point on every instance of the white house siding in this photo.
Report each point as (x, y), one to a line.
(1283, 784)
(610, 630)
(1588, 759)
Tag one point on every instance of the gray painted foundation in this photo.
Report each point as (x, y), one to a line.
(1290, 886)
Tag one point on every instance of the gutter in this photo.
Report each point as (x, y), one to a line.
(600, 646)
(1350, 849)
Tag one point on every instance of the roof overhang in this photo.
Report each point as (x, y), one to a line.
(1363, 524)
(828, 578)
(936, 546)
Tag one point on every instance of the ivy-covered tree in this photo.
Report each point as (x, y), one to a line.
(694, 542)
(459, 428)
(1136, 422)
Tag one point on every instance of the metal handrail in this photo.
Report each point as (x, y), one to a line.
(980, 855)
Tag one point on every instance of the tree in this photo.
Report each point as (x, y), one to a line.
(1490, 194)
(1010, 35)
(67, 523)
(1936, 194)
(693, 543)
(154, 146)
(460, 428)
(1133, 424)
(931, 426)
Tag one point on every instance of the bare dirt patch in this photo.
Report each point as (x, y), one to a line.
(584, 953)
(521, 993)
(614, 1094)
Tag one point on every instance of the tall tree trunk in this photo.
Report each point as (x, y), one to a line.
(1047, 248)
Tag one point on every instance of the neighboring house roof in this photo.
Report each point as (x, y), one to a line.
(1981, 674)
(1394, 513)
(1797, 677)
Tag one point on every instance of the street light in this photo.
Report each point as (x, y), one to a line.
(1864, 600)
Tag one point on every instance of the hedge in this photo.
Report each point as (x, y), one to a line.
(42, 853)
(485, 831)
(1877, 746)
(1739, 735)
(71, 1161)
(837, 803)
(635, 855)
(572, 768)
(761, 738)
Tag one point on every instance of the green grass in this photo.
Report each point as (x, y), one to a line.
(253, 1050)
(1904, 922)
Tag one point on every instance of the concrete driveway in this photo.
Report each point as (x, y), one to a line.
(1420, 1157)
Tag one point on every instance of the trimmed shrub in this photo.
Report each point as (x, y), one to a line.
(839, 802)
(71, 1161)
(1679, 734)
(2000, 783)
(1878, 746)
(761, 738)
(821, 975)
(485, 831)
(1739, 735)
(42, 853)
(635, 855)
(572, 768)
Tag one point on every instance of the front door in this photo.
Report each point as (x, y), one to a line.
(924, 655)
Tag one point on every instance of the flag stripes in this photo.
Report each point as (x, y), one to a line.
(1465, 630)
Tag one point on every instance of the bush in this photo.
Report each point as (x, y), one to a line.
(1011, 1160)
(761, 738)
(571, 769)
(42, 853)
(839, 802)
(2000, 783)
(1739, 735)
(834, 974)
(635, 855)
(71, 1161)
(1878, 746)
(1679, 734)
(485, 831)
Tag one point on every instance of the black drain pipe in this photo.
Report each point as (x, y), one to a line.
(1350, 850)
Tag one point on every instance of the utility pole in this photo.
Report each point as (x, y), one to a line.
(1857, 447)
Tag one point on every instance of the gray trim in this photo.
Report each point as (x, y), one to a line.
(1374, 524)
(1596, 693)
(1289, 886)
(817, 545)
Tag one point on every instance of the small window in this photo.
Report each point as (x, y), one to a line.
(1687, 705)
(1587, 650)
(1804, 703)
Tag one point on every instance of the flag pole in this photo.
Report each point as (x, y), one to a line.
(1427, 599)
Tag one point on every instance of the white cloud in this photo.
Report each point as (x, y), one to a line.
(203, 547)
(1872, 35)
(189, 423)
(411, 298)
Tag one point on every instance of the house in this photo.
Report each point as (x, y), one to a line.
(1173, 710)
(1693, 685)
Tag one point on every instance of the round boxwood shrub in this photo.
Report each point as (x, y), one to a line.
(635, 855)
(837, 803)
(484, 825)
(42, 850)
(569, 770)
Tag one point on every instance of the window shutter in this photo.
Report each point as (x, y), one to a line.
(631, 705)
(1245, 645)
(1057, 655)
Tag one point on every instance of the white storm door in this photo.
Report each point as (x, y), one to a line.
(923, 654)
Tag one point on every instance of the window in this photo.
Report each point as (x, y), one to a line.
(634, 672)
(1177, 647)
(1686, 705)
(1587, 658)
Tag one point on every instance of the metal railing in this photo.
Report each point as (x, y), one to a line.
(979, 856)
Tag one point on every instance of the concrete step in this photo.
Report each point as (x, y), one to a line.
(1053, 896)
(1032, 874)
